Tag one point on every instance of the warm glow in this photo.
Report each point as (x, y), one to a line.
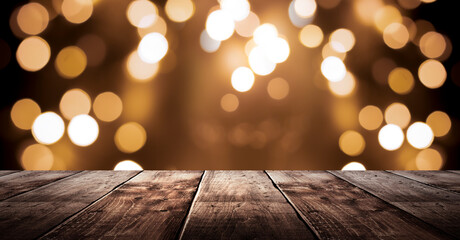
(94, 48)
(432, 73)
(344, 87)
(409, 4)
(33, 54)
(153, 47)
(398, 114)
(229, 102)
(386, 16)
(391, 137)
(139, 70)
(352, 143)
(278, 88)
(429, 159)
(142, 13)
(439, 122)
(329, 51)
(432, 44)
(401, 81)
(297, 20)
(370, 117)
(246, 27)
(420, 135)
(70, 62)
(259, 62)
(37, 157)
(354, 166)
(220, 25)
(238, 9)
(277, 49)
(130, 137)
(179, 10)
(333, 69)
(77, 11)
(33, 18)
(24, 113)
(305, 8)
(107, 106)
(311, 36)
(48, 128)
(74, 102)
(265, 33)
(128, 165)
(207, 43)
(342, 40)
(158, 26)
(83, 130)
(396, 35)
(242, 79)
(366, 9)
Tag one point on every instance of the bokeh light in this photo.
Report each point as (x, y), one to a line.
(352, 143)
(311, 36)
(83, 130)
(385, 16)
(396, 35)
(439, 122)
(278, 88)
(70, 62)
(432, 73)
(229, 102)
(153, 47)
(130, 137)
(277, 49)
(259, 61)
(391, 137)
(344, 87)
(33, 18)
(74, 102)
(370, 117)
(264, 33)
(242, 79)
(220, 25)
(77, 11)
(333, 69)
(48, 128)
(342, 40)
(297, 20)
(246, 27)
(238, 9)
(107, 106)
(329, 51)
(37, 157)
(179, 10)
(158, 26)
(139, 70)
(33, 54)
(207, 43)
(142, 13)
(128, 165)
(429, 159)
(354, 166)
(401, 81)
(432, 44)
(420, 135)
(305, 8)
(24, 113)
(398, 114)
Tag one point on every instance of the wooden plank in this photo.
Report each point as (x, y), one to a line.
(337, 209)
(437, 207)
(152, 205)
(242, 205)
(6, 172)
(455, 171)
(24, 181)
(440, 179)
(33, 213)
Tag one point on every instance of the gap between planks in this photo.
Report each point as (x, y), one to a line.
(425, 183)
(74, 215)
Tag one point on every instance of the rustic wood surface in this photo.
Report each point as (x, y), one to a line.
(230, 205)
(6, 172)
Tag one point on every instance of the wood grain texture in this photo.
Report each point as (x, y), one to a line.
(29, 215)
(336, 209)
(437, 207)
(440, 179)
(242, 205)
(455, 171)
(20, 182)
(6, 172)
(152, 205)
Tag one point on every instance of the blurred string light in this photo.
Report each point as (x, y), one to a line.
(401, 81)
(37, 157)
(142, 13)
(242, 79)
(70, 62)
(311, 36)
(33, 54)
(429, 159)
(342, 40)
(48, 128)
(396, 35)
(74, 102)
(32, 18)
(420, 135)
(439, 122)
(179, 10)
(246, 27)
(130, 137)
(352, 143)
(370, 117)
(432, 73)
(220, 25)
(128, 165)
(229, 102)
(344, 87)
(107, 106)
(139, 70)
(77, 11)
(398, 114)
(354, 166)
(278, 88)
(207, 43)
(333, 69)
(24, 113)
(153, 47)
(158, 26)
(391, 137)
(83, 130)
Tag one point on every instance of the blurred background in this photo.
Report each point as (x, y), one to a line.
(230, 84)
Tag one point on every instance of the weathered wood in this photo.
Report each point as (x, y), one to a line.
(455, 171)
(33, 213)
(242, 205)
(6, 172)
(440, 179)
(152, 205)
(440, 208)
(20, 182)
(336, 209)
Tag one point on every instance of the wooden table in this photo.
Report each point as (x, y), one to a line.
(230, 204)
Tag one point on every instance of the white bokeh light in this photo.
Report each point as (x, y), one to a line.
(420, 135)
(207, 43)
(277, 50)
(220, 25)
(48, 128)
(391, 137)
(259, 61)
(238, 9)
(83, 130)
(242, 79)
(333, 69)
(128, 165)
(153, 47)
(305, 8)
(265, 33)
(354, 166)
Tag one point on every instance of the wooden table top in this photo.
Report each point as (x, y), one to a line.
(230, 204)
